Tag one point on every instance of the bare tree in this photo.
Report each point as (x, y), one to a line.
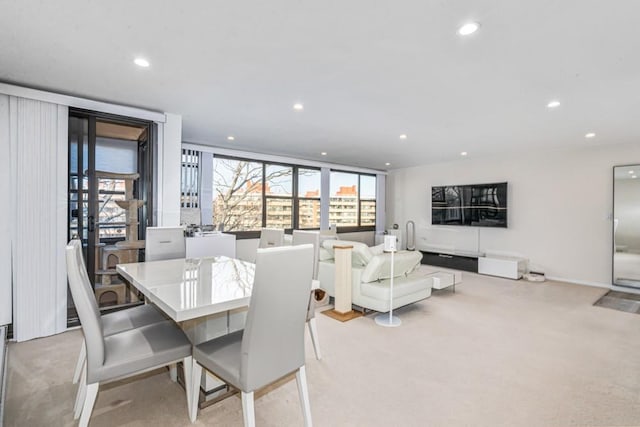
(239, 187)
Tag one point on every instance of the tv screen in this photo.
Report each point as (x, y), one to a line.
(478, 205)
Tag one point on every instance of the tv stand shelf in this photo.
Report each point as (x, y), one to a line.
(466, 261)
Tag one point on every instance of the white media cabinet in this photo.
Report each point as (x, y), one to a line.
(502, 266)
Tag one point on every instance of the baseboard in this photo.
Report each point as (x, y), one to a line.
(580, 282)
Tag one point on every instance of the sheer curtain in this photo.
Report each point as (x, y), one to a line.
(37, 204)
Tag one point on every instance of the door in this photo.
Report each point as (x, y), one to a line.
(110, 193)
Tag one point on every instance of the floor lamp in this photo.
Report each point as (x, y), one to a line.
(389, 320)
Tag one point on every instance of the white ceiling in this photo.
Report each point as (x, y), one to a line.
(366, 71)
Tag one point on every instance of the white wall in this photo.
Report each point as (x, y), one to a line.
(560, 206)
(246, 249)
(170, 160)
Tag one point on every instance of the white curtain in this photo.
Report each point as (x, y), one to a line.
(38, 208)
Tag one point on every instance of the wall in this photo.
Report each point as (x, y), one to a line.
(170, 160)
(246, 248)
(560, 206)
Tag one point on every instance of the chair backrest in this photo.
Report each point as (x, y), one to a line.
(302, 237)
(164, 243)
(86, 306)
(271, 237)
(273, 338)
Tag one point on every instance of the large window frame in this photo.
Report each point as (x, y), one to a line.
(359, 227)
(295, 199)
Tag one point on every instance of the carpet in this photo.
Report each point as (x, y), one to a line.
(497, 353)
(621, 301)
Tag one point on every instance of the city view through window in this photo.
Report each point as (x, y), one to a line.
(240, 205)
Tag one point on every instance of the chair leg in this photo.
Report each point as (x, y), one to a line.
(81, 358)
(196, 378)
(248, 411)
(301, 379)
(187, 363)
(89, 401)
(313, 331)
(173, 372)
(82, 391)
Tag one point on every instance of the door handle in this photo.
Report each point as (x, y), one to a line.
(91, 224)
(445, 256)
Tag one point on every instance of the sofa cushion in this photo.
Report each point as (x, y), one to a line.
(379, 268)
(324, 255)
(402, 286)
(378, 249)
(360, 255)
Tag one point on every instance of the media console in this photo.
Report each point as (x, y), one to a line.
(466, 261)
(491, 264)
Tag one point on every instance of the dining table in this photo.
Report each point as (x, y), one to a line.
(208, 297)
(192, 288)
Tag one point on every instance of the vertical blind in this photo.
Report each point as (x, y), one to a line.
(38, 199)
(5, 215)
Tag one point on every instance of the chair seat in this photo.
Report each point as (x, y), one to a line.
(222, 356)
(131, 318)
(140, 349)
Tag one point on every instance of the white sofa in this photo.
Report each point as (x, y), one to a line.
(371, 272)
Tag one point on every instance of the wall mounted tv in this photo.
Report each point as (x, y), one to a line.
(477, 205)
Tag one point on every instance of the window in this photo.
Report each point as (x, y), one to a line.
(279, 196)
(308, 198)
(353, 200)
(237, 194)
(189, 181)
(367, 201)
(244, 195)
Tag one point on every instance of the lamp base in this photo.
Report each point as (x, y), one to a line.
(388, 321)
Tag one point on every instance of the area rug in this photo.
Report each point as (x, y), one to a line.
(620, 301)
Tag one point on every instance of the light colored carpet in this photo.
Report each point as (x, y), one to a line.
(495, 353)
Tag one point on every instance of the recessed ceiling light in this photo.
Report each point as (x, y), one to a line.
(141, 62)
(403, 136)
(231, 138)
(464, 153)
(468, 28)
(631, 172)
(387, 164)
(553, 104)
(298, 107)
(324, 153)
(633, 176)
(590, 135)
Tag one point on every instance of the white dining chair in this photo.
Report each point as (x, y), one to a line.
(271, 346)
(110, 358)
(301, 237)
(164, 243)
(271, 237)
(117, 321)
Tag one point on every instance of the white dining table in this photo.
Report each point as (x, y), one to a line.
(192, 288)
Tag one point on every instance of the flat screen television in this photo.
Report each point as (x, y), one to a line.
(477, 205)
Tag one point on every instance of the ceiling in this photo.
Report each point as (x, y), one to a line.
(366, 71)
